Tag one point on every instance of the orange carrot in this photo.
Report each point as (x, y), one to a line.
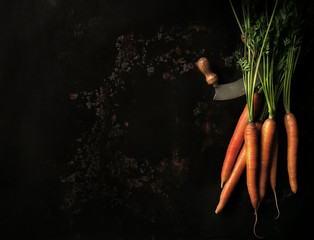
(237, 170)
(273, 170)
(232, 181)
(292, 142)
(267, 139)
(234, 146)
(251, 144)
(237, 140)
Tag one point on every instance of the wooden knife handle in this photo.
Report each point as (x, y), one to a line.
(204, 66)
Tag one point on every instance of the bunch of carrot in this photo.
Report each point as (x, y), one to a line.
(271, 49)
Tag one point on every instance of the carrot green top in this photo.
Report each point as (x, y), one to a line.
(255, 46)
(274, 43)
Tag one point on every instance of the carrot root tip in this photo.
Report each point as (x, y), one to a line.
(254, 227)
(218, 208)
(277, 207)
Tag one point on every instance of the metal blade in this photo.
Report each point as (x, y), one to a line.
(231, 90)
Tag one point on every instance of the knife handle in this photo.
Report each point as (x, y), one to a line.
(204, 66)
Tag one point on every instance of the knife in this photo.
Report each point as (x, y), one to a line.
(222, 91)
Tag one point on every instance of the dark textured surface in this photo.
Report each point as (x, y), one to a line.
(110, 132)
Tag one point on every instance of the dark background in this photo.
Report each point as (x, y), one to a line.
(43, 60)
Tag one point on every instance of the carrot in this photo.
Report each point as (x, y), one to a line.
(234, 146)
(273, 170)
(292, 142)
(237, 140)
(251, 144)
(237, 171)
(293, 48)
(232, 181)
(267, 139)
(249, 64)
